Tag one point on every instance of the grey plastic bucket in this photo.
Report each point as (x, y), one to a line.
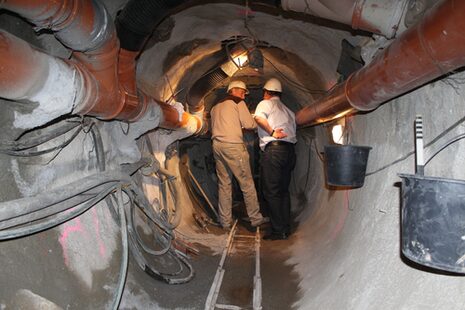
(345, 165)
(433, 222)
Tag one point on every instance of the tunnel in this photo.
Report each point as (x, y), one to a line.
(109, 191)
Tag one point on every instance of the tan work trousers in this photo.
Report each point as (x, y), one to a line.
(233, 159)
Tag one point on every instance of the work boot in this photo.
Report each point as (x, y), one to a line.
(276, 236)
(226, 228)
(263, 220)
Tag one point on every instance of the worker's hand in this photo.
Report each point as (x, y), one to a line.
(279, 133)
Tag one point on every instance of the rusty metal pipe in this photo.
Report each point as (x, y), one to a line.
(85, 27)
(432, 48)
(81, 25)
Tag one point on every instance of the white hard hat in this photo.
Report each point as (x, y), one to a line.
(237, 84)
(273, 85)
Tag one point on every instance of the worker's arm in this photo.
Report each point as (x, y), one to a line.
(276, 133)
(247, 121)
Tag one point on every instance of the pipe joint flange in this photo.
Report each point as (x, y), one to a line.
(87, 90)
(65, 16)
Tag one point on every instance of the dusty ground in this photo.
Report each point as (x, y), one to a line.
(279, 282)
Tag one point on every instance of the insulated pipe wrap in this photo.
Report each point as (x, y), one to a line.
(377, 16)
(336, 10)
(22, 68)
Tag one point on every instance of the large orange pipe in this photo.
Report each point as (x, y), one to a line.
(432, 48)
(85, 27)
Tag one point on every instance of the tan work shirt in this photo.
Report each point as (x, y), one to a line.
(228, 118)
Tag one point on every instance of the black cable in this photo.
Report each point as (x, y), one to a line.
(27, 205)
(99, 149)
(125, 251)
(101, 163)
(166, 277)
(55, 220)
(141, 201)
(391, 164)
(49, 210)
(296, 84)
(133, 227)
(38, 137)
(442, 134)
(453, 140)
(172, 223)
(135, 247)
(29, 153)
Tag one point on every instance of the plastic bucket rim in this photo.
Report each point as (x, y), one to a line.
(430, 178)
(437, 266)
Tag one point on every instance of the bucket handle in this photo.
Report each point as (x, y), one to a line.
(453, 140)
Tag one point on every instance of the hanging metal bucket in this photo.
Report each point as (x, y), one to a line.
(345, 165)
(433, 221)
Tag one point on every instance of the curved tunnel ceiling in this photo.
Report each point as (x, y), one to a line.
(308, 57)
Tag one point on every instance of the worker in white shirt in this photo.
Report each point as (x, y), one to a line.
(277, 134)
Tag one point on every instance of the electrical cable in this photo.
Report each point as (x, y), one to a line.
(296, 84)
(27, 153)
(26, 205)
(453, 140)
(98, 147)
(176, 220)
(442, 134)
(133, 227)
(50, 210)
(37, 137)
(55, 220)
(125, 251)
(30, 215)
(173, 222)
(101, 163)
(134, 246)
(141, 201)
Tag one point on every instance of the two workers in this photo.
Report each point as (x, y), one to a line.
(277, 134)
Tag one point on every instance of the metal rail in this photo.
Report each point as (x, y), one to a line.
(212, 297)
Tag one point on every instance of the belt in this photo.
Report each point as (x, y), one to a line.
(278, 142)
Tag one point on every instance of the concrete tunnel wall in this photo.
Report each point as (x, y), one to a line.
(346, 247)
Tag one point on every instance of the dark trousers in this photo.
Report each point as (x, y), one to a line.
(277, 163)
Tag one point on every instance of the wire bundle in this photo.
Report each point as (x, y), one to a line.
(29, 215)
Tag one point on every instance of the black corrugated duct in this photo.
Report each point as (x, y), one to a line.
(139, 18)
(203, 86)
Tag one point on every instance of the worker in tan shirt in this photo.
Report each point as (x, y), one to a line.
(228, 117)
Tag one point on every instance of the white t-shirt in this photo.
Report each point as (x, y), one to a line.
(278, 116)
